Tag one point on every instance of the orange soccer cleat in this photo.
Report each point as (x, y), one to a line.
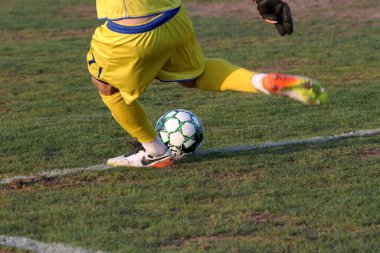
(303, 89)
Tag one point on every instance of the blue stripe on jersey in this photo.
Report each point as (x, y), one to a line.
(160, 20)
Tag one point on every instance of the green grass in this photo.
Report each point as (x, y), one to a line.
(299, 198)
(4, 249)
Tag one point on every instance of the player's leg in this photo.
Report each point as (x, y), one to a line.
(138, 54)
(189, 68)
(104, 88)
(220, 75)
(116, 60)
(133, 119)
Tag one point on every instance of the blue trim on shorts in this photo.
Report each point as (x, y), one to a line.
(160, 20)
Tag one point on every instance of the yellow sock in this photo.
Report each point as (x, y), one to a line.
(132, 118)
(221, 75)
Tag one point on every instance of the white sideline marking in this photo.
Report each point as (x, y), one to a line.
(63, 172)
(40, 247)
(55, 173)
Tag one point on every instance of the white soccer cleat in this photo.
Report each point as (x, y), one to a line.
(139, 158)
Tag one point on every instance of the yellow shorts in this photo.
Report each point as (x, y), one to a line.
(131, 57)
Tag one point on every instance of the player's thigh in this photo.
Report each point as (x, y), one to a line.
(104, 88)
(128, 62)
(186, 61)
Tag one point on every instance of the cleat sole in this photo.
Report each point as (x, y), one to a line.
(162, 164)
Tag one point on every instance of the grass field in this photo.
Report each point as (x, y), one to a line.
(298, 198)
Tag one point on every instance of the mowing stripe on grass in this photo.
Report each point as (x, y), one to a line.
(40, 247)
(321, 139)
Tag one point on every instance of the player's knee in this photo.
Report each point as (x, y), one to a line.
(104, 88)
(188, 84)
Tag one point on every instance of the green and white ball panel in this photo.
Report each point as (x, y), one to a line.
(170, 114)
(164, 136)
(183, 116)
(188, 129)
(176, 139)
(181, 131)
(171, 125)
(188, 143)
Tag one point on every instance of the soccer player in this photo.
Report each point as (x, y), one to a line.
(143, 40)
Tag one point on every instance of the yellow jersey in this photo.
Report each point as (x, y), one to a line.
(122, 9)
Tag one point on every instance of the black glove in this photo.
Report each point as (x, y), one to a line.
(276, 12)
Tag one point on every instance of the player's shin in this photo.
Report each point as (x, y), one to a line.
(150, 152)
(132, 118)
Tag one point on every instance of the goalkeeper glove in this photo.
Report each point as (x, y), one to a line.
(276, 12)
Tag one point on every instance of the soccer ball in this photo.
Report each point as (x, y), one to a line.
(181, 131)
